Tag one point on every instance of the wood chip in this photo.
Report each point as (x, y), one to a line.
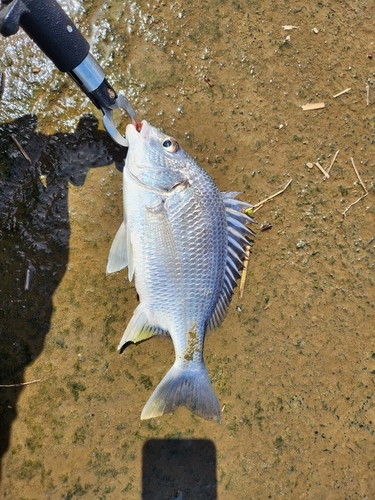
(43, 180)
(367, 95)
(311, 106)
(342, 92)
(208, 80)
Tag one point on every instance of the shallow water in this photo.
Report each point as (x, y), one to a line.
(293, 364)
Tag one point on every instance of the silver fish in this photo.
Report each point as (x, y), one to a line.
(183, 240)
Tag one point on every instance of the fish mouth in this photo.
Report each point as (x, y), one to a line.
(140, 130)
(144, 129)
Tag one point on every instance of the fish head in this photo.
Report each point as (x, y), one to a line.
(155, 159)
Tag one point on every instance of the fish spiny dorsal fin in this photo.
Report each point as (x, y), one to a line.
(238, 234)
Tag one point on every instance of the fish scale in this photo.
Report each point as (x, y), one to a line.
(184, 242)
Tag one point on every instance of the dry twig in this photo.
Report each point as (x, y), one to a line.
(247, 247)
(332, 162)
(27, 280)
(326, 174)
(244, 271)
(261, 203)
(354, 203)
(342, 92)
(2, 85)
(21, 149)
(21, 383)
(359, 178)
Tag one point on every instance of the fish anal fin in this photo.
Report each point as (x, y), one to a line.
(139, 329)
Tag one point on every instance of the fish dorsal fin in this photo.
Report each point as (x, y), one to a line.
(118, 254)
(238, 234)
(139, 329)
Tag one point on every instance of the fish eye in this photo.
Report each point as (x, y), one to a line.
(171, 145)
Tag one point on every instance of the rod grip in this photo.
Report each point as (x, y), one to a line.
(49, 26)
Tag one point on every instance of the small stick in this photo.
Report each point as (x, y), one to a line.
(28, 280)
(343, 92)
(21, 149)
(261, 203)
(2, 85)
(354, 203)
(332, 162)
(367, 95)
(244, 271)
(359, 178)
(326, 174)
(21, 384)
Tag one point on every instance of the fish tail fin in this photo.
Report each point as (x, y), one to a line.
(184, 386)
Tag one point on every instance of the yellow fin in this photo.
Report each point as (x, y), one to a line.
(139, 329)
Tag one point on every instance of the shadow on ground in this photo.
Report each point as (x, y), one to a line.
(34, 238)
(179, 468)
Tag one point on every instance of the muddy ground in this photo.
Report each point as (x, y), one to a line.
(293, 364)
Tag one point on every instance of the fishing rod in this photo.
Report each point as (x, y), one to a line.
(48, 25)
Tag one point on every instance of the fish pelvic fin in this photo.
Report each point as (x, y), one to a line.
(187, 386)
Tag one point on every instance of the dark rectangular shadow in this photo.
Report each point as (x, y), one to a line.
(183, 469)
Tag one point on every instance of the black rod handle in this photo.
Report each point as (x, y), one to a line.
(49, 26)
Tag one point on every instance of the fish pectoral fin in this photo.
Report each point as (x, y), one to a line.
(184, 386)
(118, 254)
(129, 249)
(139, 329)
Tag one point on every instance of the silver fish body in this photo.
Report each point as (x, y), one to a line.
(183, 240)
